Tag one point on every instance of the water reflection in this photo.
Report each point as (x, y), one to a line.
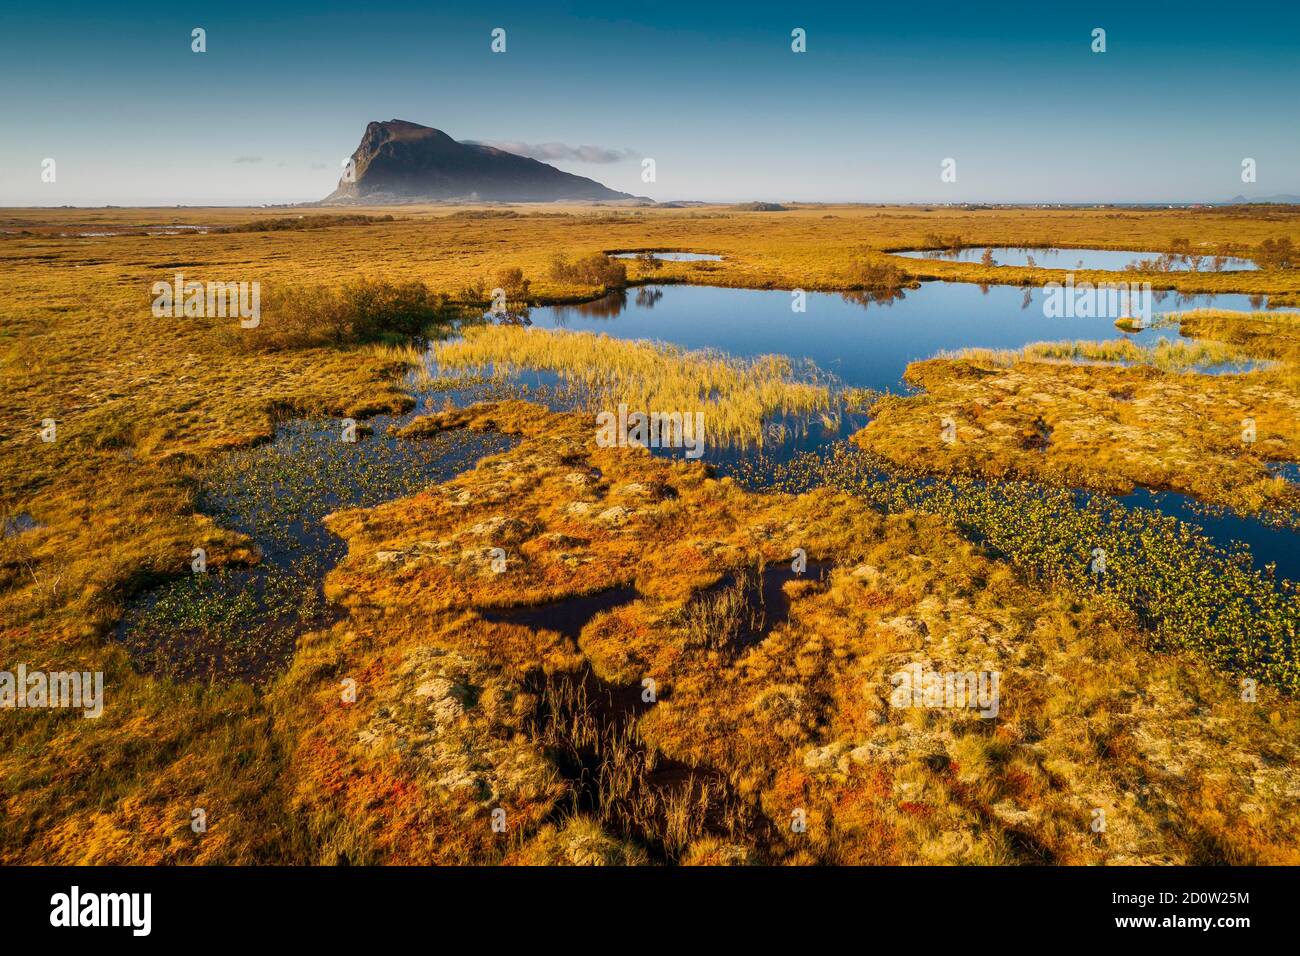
(864, 347)
(667, 256)
(1116, 260)
(869, 297)
(606, 307)
(866, 338)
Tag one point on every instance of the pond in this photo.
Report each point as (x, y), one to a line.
(1289, 470)
(669, 256)
(13, 525)
(1269, 544)
(1115, 260)
(865, 342)
(241, 622)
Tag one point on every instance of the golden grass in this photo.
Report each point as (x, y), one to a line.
(1270, 335)
(1097, 426)
(1043, 413)
(1166, 355)
(735, 396)
(800, 721)
(144, 404)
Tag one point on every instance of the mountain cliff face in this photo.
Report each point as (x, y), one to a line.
(399, 161)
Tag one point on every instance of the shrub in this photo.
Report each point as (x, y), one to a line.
(953, 243)
(877, 276)
(283, 223)
(360, 311)
(594, 269)
(511, 280)
(474, 293)
(1277, 254)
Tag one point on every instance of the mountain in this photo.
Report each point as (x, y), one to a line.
(400, 162)
(1280, 198)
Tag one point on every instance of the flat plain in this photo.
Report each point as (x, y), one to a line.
(500, 716)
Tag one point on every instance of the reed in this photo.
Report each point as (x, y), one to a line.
(1166, 355)
(1270, 335)
(737, 396)
(146, 405)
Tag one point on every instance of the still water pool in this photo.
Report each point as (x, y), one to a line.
(868, 342)
(671, 256)
(1114, 260)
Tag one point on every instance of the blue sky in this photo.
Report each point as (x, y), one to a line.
(883, 94)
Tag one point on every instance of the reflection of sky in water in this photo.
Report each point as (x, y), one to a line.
(868, 343)
(14, 525)
(1268, 544)
(864, 343)
(1116, 260)
(673, 256)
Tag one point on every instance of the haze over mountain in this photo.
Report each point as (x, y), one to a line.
(399, 162)
(1280, 198)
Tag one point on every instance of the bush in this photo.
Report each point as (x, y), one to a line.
(877, 276)
(361, 311)
(953, 243)
(282, 223)
(1277, 254)
(473, 293)
(594, 269)
(512, 282)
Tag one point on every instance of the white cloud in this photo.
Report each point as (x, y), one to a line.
(549, 152)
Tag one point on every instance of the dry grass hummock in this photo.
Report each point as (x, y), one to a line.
(1268, 335)
(1106, 427)
(1166, 355)
(1113, 415)
(736, 396)
(443, 731)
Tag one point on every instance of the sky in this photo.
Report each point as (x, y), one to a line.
(714, 94)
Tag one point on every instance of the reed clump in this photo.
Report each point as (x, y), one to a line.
(737, 396)
(1164, 354)
(1269, 335)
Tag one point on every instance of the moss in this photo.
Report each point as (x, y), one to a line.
(145, 405)
(801, 720)
(1103, 427)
